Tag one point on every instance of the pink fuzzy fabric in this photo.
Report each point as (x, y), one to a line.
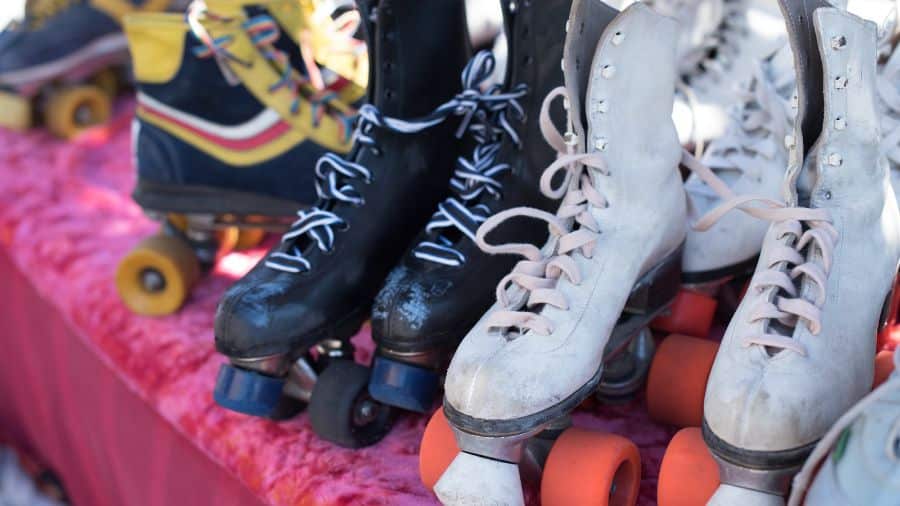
(66, 219)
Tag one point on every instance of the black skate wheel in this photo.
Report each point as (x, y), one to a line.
(248, 392)
(402, 385)
(341, 409)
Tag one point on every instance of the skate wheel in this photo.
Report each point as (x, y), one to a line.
(586, 467)
(73, 110)
(688, 475)
(108, 81)
(691, 314)
(676, 383)
(227, 239)
(341, 409)
(884, 366)
(155, 277)
(248, 392)
(438, 449)
(402, 385)
(249, 238)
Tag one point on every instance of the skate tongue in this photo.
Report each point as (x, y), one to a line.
(477, 480)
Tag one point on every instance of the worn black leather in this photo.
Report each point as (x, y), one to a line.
(417, 51)
(427, 306)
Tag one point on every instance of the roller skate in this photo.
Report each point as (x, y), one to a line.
(578, 303)
(286, 325)
(64, 62)
(444, 283)
(798, 351)
(217, 177)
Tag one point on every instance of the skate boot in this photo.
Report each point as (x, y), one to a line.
(798, 351)
(611, 264)
(860, 455)
(64, 62)
(328, 42)
(445, 283)
(204, 170)
(285, 326)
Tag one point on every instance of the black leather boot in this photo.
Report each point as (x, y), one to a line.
(285, 326)
(445, 282)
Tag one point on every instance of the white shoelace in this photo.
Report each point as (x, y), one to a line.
(335, 176)
(477, 176)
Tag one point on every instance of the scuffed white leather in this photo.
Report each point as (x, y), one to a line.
(772, 403)
(491, 377)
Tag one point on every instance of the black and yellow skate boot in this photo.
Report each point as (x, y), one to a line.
(226, 138)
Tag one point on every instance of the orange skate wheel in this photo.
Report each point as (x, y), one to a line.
(676, 382)
(249, 238)
(73, 110)
(691, 313)
(586, 467)
(884, 366)
(155, 277)
(228, 239)
(688, 475)
(438, 449)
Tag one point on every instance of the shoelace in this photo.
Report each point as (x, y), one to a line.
(478, 175)
(335, 175)
(264, 32)
(804, 230)
(803, 479)
(533, 281)
(757, 131)
(339, 40)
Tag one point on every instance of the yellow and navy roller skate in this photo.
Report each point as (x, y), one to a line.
(227, 132)
(64, 62)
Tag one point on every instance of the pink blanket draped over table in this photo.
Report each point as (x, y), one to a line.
(120, 405)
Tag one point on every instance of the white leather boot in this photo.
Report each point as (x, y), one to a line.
(799, 350)
(611, 263)
(860, 455)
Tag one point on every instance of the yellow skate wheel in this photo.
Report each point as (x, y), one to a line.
(73, 110)
(155, 277)
(228, 239)
(249, 238)
(15, 111)
(108, 81)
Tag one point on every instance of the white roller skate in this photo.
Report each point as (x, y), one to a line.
(799, 350)
(611, 264)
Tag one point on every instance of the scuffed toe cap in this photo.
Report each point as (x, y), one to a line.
(775, 408)
(408, 313)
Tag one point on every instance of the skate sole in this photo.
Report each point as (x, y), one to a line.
(649, 297)
(164, 198)
(104, 47)
(751, 459)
